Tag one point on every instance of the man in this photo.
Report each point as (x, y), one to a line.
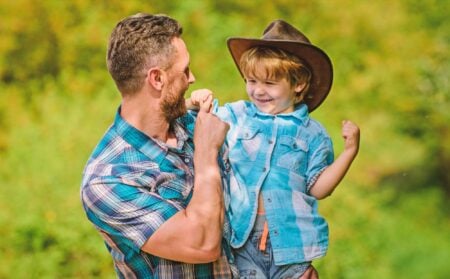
(139, 189)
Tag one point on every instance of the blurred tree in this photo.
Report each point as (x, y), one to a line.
(389, 219)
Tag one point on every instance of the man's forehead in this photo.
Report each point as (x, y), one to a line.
(182, 52)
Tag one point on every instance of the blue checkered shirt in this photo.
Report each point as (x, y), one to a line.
(132, 184)
(278, 156)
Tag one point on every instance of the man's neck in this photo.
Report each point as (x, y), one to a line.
(147, 118)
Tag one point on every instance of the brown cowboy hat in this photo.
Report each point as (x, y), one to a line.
(282, 35)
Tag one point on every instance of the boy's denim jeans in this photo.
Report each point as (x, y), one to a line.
(254, 263)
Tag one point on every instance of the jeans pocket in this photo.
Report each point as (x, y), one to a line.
(248, 274)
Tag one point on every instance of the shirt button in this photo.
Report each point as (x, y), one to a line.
(264, 169)
(186, 160)
(270, 141)
(269, 200)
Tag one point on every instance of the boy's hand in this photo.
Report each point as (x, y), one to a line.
(198, 97)
(330, 178)
(350, 133)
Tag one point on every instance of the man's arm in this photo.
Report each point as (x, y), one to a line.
(331, 176)
(194, 235)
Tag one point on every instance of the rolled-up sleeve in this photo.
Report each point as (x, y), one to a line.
(320, 157)
(126, 213)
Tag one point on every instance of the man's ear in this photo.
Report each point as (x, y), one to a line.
(155, 78)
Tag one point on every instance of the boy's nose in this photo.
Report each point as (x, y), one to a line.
(258, 90)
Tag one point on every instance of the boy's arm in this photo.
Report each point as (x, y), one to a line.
(332, 175)
(197, 97)
(190, 105)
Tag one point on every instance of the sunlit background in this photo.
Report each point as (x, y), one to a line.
(389, 218)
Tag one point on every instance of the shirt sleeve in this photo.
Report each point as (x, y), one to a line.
(223, 112)
(319, 159)
(126, 213)
(188, 121)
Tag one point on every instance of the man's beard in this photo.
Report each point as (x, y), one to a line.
(173, 105)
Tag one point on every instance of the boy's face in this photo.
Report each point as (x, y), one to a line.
(272, 96)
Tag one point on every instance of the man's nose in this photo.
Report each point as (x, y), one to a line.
(191, 77)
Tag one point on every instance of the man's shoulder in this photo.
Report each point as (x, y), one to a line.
(107, 148)
(114, 160)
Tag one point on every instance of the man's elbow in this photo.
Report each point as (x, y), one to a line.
(210, 254)
(202, 256)
(213, 256)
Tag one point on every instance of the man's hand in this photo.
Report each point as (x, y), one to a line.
(210, 131)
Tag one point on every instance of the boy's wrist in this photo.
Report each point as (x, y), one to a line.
(351, 151)
(190, 105)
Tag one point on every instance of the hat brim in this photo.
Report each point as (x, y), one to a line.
(318, 62)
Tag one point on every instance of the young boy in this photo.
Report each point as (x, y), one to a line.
(281, 159)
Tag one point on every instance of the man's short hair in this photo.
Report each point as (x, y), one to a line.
(138, 43)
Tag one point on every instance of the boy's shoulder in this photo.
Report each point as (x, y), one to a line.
(236, 109)
(240, 105)
(316, 128)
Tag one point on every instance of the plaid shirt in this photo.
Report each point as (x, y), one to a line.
(132, 184)
(281, 157)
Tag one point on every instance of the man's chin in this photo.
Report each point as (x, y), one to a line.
(176, 114)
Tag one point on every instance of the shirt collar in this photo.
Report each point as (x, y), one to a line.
(300, 112)
(152, 148)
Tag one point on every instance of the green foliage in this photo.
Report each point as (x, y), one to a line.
(388, 219)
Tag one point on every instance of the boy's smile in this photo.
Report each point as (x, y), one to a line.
(271, 96)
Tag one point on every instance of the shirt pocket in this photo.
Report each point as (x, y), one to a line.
(293, 154)
(248, 144)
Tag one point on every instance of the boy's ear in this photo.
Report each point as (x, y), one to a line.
(298, 89)
(155, 78)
